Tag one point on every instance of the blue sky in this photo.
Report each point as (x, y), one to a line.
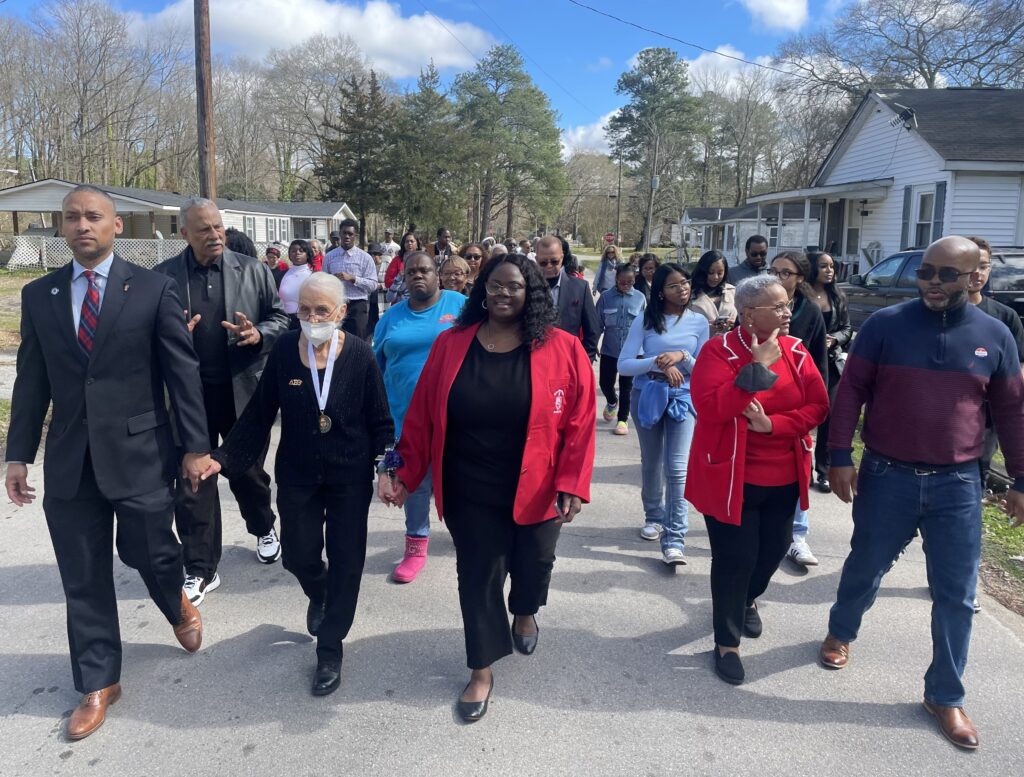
(573, 54)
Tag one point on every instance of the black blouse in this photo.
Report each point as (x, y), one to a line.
(488, 413)
(361, 424)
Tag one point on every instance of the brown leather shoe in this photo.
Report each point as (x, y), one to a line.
(189, 630)
(954, 725)
(92, 711)
(834, 654)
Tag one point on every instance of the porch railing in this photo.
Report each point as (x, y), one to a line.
(49, 253)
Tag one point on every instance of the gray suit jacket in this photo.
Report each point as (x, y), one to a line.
(248, 288)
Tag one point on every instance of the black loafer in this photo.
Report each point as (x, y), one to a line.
(729, 667)
(525, 643)
(472, 711)
(315, 613)
(327, 678)
(752, 625)
(824, 486)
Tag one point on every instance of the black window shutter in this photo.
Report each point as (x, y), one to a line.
(908, 197)
(940, 210)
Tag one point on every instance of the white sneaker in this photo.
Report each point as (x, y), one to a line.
(268, 548)
(196, 588)
(800, 553)
(673, 557)
(651, 531)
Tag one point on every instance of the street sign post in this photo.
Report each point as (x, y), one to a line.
(609, 237)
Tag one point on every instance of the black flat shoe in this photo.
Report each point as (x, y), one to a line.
(327, 677)
(752, 625)
(315, 612)
(472, 711)
(525, 643)
(824, 486)
(729, 667)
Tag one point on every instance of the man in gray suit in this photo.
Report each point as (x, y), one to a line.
(235, 316)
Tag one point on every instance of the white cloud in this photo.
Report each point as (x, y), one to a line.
(778, 14)
(603, 63)
(396, 45)
(587, 137)
(712, 67)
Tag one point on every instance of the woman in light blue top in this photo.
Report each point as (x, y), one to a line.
(661, 350)
(617, 309)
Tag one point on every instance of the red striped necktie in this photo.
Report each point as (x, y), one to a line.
(90, 312)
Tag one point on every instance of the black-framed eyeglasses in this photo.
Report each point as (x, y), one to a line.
(946, 274)
(782, 275)
(761, 254)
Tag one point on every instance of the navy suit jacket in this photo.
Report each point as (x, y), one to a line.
(110, 402)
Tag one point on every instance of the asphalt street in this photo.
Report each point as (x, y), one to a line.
(621, 683)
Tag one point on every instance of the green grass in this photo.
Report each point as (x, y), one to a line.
(1000, 543)
(5, 420)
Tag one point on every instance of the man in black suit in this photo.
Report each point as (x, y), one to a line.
(101, 340)
(235, 317)
(576, 312)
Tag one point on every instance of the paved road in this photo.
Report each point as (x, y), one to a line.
(621, 683)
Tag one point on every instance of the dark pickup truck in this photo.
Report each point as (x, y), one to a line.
(893, 280)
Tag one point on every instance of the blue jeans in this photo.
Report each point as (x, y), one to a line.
(417, 509)
(892, 501)
(664, 452)
(800, 526)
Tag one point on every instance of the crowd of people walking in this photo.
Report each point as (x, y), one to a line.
(464, 376)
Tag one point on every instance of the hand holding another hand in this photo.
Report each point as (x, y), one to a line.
(757, 419)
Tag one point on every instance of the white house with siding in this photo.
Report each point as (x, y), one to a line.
(915, 164)
(727, 229)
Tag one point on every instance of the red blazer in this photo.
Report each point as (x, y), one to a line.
(715, 473)
(559, 452)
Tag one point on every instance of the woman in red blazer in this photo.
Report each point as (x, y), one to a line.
(504, 417)
(757, 394)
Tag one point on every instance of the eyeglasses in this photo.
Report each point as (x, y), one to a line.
(496, 289)
(782, 275)
(678, 286)
(453, 274)
(946, 274)
(548, 262)
(762, 254)
(320, 312)
(473, 257)
(780, 310)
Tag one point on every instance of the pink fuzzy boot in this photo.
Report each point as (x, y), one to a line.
(415, 559)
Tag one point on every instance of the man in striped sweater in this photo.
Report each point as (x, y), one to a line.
(922, 371)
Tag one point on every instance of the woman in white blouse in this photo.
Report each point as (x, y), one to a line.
(299, 255)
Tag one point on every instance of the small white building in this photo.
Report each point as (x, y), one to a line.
(727, 229)
(913, 165)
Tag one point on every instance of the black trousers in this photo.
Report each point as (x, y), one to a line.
(606, 377)
(744, 557)
(490, 546)
(822, 458)
(356, 318)
(83, 534)
(197, 516)
(331, 516)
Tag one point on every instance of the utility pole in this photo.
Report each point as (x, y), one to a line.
(204, 102)
(654, 189)
(618, 207)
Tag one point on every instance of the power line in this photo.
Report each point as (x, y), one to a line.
(687, 43)
(445, 26)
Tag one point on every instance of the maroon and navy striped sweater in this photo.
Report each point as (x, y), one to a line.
(923, 378)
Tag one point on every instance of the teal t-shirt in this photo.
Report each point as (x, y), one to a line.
(402, 341)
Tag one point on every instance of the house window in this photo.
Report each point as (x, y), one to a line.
(249, 226)
(925, 216)
(282, 230)
(174, 225)
(773, 237)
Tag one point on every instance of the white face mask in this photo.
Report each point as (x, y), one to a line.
(319, 333)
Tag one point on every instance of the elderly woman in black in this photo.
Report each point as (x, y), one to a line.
(503, 418)
(334, 423)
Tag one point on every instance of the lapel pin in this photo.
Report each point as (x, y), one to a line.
(55, 291)
(125, 287)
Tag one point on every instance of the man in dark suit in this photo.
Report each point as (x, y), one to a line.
(101, 340)
(577, 314)
(235, 317)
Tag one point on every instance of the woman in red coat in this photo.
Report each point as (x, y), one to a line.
(502, 392)
(757, 394)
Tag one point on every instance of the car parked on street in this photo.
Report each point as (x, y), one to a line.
(894, 279)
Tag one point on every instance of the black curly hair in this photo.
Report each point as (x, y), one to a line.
(654, 315)
(539, 313)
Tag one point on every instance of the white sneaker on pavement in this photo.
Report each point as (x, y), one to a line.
(800, 553)
(196, 588)
(651, 531)
(673, 557)
(268, 548)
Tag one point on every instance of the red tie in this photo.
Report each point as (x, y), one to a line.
(90, 312)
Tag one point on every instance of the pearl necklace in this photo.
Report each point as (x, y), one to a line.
(739, 336)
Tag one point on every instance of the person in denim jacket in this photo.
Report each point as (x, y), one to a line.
(617, 308)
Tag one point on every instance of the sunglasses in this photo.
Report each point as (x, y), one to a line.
(946, 274)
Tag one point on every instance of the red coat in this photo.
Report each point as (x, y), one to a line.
(559, 452)
(394, 267)
(715, 474)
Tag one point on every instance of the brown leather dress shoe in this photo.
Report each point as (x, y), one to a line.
(189, 630)
(834, 654)
(954, 725)
(92, 711)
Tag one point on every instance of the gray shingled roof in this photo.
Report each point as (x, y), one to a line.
(969, 125)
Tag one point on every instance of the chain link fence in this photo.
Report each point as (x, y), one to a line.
(49, 253)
